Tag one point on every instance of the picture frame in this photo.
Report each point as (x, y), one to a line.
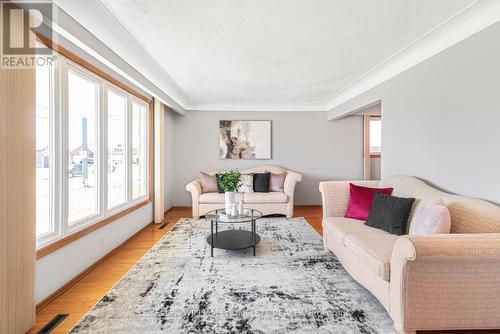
(245, 139)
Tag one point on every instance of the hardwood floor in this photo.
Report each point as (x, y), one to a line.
(87, 291)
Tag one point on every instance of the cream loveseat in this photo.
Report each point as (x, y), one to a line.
(267, 203)
(431, 282)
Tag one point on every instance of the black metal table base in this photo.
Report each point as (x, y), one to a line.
(233, 240)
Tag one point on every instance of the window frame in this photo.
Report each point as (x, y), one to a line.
(64, 232)
(68, 227)
(116, 90)
(374, 154)
(148, 157)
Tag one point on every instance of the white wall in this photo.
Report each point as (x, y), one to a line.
(301, 141)
(59, 267)
(441, 118)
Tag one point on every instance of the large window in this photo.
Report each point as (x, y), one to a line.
(92, 145)
(82, 147)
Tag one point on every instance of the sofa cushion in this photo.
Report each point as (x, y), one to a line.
(215, 198)
(340, 227)
(270, 197)
(219, 189)
(430, 218)
(390, 213)
(246, 185)
(360, 200)
(208, 182)
(261, 182)
(374, 250)
(277, 182)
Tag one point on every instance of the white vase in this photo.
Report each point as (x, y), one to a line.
(230, 199)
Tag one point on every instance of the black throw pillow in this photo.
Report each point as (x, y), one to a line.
(219, 189)
(390, 213)
(261, 182)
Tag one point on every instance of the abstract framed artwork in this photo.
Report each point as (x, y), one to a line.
(245, 140)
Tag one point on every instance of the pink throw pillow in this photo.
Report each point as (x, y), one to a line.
(360, 200)
(277, 182)
(208, 183)
(430, 218)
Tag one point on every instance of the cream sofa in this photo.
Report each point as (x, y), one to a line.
(434, 282)
(267, 203)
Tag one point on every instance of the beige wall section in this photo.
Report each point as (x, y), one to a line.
(159, 161)
(17, 200)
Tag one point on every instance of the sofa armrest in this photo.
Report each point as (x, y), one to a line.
(335, 196)
(446, 281)
(291, 180)
(194, 187)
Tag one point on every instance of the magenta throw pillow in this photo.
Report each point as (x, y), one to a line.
(360, 200)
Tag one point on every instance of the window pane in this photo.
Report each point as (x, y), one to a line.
(43, 150)
(117, 177)
(82, 141)
(139, 150)
(375, 136)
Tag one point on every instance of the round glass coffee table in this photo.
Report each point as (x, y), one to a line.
(232, 239)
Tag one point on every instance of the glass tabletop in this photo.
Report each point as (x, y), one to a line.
(221, 216)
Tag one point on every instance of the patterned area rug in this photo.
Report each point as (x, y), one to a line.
(291, 286)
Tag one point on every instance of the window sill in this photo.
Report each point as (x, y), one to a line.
(46, 250)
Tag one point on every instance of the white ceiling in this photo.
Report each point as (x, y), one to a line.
(269, 54)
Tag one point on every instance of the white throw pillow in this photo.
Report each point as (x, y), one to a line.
(246, 185)
(430, 218)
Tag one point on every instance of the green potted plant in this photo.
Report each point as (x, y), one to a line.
(229, 182)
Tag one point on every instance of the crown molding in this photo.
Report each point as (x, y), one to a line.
(472, 19)
(255, 106)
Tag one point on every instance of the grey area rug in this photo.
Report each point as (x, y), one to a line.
(291, 286)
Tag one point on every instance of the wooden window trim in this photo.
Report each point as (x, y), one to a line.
(52, 247)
